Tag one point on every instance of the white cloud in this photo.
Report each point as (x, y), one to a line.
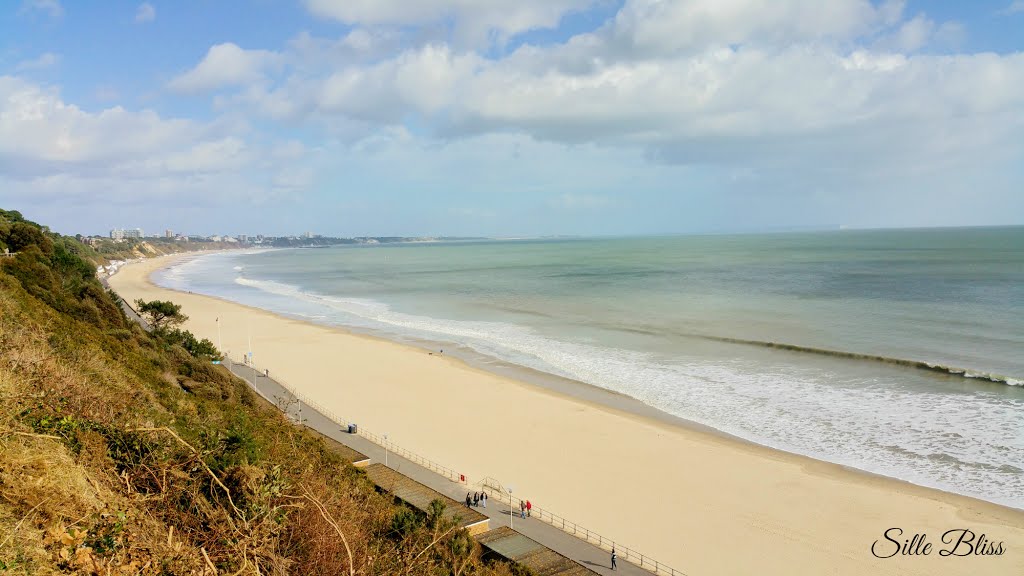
(225, 65)
(1015, 7)
(51, 148)
(425, 80)
(50, 7)
(360, 46)
(35, 124)
(146, 12)
(911, 36)
(653, 27)
(42, 62)
(795, 94)
(694, 81)
(474, 21)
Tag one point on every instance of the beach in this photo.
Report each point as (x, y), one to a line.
(700, 502)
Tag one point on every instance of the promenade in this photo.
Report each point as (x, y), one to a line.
(585, 553)
(445, 481)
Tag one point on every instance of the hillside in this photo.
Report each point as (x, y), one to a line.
(104, 251)
(123, 453)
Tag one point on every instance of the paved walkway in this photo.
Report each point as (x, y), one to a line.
(566, 544)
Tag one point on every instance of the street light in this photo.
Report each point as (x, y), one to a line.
(385, 450)
(510, 508)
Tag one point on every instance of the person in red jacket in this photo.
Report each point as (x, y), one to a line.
(528, 508)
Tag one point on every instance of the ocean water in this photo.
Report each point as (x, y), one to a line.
(683, 324)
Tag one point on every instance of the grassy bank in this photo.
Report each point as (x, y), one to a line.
(123, 453)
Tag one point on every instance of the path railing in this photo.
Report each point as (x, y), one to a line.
(344, 423)
(490, 485)
(494, 487)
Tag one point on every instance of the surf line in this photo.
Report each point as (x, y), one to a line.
(915, 364)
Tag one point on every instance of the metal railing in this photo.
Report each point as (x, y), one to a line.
(344, 423)
(488, 484)
(493, 486)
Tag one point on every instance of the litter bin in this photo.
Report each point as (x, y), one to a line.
(353, 429)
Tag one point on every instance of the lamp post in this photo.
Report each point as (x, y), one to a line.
(251, 365)
(386, 450)
(510, 515)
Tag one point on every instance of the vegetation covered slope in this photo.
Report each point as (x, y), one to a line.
(122, 453)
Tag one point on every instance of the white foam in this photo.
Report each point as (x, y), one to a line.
(872, 424)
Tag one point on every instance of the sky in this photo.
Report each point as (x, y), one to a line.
(511, 118)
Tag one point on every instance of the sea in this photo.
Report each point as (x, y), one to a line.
(897, 352)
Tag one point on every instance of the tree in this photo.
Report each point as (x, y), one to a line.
(22, 235)
(202, 349)
(161, 314)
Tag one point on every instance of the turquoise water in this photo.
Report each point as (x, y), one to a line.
(645, 317)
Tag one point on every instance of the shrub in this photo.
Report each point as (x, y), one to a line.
(160, 314)
(201, 349)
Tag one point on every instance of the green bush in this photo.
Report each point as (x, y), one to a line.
(22, 235)
(201, 349)
(160, 314)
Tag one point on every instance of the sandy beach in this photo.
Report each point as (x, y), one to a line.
(701, 502)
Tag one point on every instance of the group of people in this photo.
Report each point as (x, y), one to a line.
(525, 508)
(476, 499)
(480, 499)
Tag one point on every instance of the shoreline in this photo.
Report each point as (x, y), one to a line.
(763, 515)
(585, 392)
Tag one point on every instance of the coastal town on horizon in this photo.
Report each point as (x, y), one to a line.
(306, 239)
(122, 234)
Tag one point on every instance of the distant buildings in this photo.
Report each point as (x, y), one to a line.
(169, 235)
(122, 234)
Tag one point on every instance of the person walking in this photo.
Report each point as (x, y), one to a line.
(615, 564)
(529, 507)
(469, 500)
(476, 498)
(483, 499)
(522, 509)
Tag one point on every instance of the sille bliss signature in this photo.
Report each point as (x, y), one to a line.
(956, 542)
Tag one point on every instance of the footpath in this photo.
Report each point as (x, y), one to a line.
(586, 553)
(445, 481)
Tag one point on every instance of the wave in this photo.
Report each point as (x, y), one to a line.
(808, 410)
(915, 364)
(375, 310)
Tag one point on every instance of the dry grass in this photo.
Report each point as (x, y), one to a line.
(110, 464)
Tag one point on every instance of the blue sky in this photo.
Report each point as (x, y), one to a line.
(462, 117)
